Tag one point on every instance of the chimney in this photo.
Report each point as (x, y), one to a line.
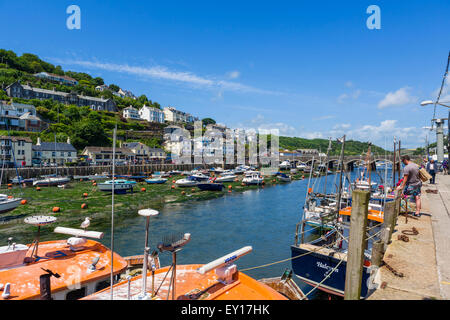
(68, 140)
(38, 142)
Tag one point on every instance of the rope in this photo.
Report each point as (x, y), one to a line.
(291, 258)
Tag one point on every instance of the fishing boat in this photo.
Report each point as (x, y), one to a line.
(60, 269)
(283, 177)
(228, 177)
(175, 172)
(51, 181)
(156, 180)
(121, 186)
(8, 203)
(301, 166)
(132, 177)
(210, 186)
(327, 255)
(252, 177)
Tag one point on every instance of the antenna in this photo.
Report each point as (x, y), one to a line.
(174, 243)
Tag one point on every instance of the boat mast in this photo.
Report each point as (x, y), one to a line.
(326, 167)
(369, 167)
(56, 161)
(112, 212)
(341, 161)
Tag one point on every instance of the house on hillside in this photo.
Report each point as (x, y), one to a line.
(173, 115)
(131, 113)
(18, 116)
(17, 90)
(57, 78)
(151, 114)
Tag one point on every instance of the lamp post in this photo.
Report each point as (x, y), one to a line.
(439, 130)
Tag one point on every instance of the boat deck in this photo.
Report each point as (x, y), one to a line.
(57, 257)
(191, 285)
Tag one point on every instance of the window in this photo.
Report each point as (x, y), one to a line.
(53, 154)
(76, 294)
(69, 154)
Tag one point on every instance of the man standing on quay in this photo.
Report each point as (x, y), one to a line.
(411, 182)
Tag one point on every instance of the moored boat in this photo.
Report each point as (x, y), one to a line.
(120, 186)
(210, 186)
(156, 180)
(61, 269)
(51, 181)
(8, 203)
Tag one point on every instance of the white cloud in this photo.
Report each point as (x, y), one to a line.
(398, 98)
(349, 84)
(163, 73)
(353, 95)
(233, 74)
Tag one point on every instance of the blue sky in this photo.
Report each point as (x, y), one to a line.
(307, 68)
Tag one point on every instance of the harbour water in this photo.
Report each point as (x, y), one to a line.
(263, 218)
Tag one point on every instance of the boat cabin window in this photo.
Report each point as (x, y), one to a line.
(102, 285)
(76, 294)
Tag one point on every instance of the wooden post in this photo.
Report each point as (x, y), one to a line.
(377, 253)
(356, 244)
(388, 222)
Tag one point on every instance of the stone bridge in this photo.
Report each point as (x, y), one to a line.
(350, 162)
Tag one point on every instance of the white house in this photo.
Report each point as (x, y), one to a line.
(15, 150)
(131, 113)
(152, 114)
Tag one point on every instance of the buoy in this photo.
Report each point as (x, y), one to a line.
(309, 190)
(24, 201)
(94, 184)
(229, 191)
(193, 189)
(10, 197)
(143, 189)
(173, 186)
(173, 181)
(183, 192)
(274, 180)
(38, 188)
(81, 179)
(85, 195)
(56, 209)
(263, 182)
(242, 184)
(236, 180)
(84, 206)
(230, 187)
(9, 184)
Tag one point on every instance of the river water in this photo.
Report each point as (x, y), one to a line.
(263, 218)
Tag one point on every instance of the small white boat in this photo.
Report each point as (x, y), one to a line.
(120, 185)
(156, 180)
(301, 166)
(20, 180)
(187, 182)
(225, 178)
(8, 204)
(252, 177)
(285, 165)
(52, 181)
(200, 177)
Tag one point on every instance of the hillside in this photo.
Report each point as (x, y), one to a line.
(351, 147)
(87, 127)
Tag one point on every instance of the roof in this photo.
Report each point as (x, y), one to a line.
(156, 150)
(15, 138)
(52, 146)
(107, 150)
(56, 76)
(132, 144)
(59, 93)
(29, 116)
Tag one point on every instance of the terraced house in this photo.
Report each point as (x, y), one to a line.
(18, 116)
(18, 90)
(15, 151)
(144, 153)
